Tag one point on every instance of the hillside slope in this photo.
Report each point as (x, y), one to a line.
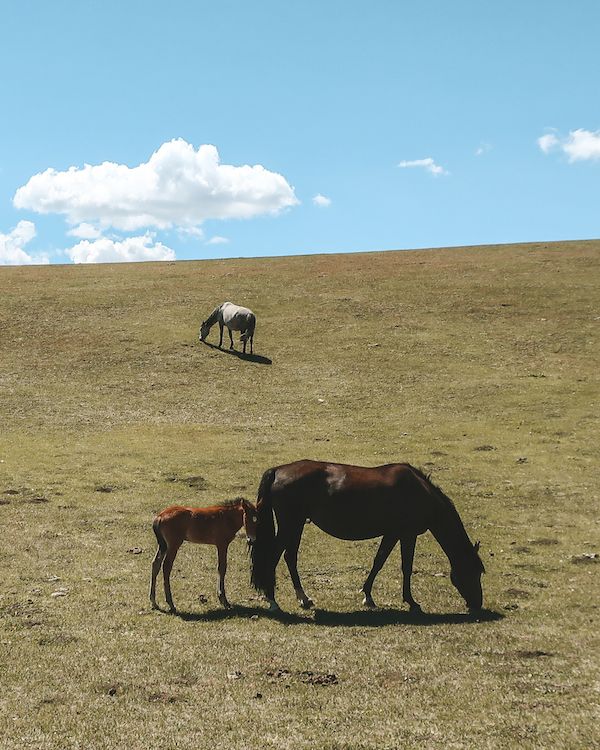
(478, 364)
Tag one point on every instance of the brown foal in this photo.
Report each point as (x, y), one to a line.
(216, 525)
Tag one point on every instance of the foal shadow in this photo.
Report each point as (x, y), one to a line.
(256, 358)
(238, 610)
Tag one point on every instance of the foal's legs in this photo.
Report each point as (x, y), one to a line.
(156, 563)
(386, 546)
(230, 338)
(222, 552)
(220, 334)
(167, 566)
(407, 547)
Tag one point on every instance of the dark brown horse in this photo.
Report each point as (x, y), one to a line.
(396, 502)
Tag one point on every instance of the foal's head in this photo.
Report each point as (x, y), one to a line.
(249, 521)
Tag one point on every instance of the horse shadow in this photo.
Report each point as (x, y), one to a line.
(256, 358)
(355, 618)
(380, 617)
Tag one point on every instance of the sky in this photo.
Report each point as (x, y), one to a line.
(184, 130)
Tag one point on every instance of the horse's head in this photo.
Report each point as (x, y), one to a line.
(466, 577)
(250, 519)
(204, 329)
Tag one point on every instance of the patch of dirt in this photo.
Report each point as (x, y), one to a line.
(518, 593)
(306, 676)
(196, 482)
(163, 697)
(60, 639)
(485, 448)
(318, 678)
(586, 558)
(104, 488)
(532, 654)
(544, 541)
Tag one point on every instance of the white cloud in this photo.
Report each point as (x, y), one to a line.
(12, 244)
(187, 232)
(579, 145)
(547, 142)
(106, 250)
(321, 200)
(427, 164)
(178, 186)
(85, 231)
(216, 240)
(582, 145)
(482, 149)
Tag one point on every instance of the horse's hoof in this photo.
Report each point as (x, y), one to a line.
(307, 603)
(274, 607)
(415, 609)
(172, 611)
(369, 603)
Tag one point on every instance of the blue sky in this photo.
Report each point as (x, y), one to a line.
(318, 99)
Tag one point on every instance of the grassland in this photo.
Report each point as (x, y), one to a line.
(478, 364)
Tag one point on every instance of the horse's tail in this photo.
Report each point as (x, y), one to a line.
(162, 542)
(251, 325)
(262, 554)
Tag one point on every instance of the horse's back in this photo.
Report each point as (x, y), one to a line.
(209, 525)
(351, 502)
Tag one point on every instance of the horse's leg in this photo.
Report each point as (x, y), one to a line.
(385, 547)
(270, 593)
(407, 547)
(167, 566)
(156, 563)
(220, 334)
(230, 338)
(222, 552)
(251, 344)
(245, 342)
(291, 558)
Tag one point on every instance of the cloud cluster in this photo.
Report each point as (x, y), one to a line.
(579, 145)
(178, 186)
(427, 164)
(321, 200)
(12, 244)
(107, 250)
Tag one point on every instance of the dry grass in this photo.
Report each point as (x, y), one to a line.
(478, 364)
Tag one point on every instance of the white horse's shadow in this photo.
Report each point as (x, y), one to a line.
(256, 358)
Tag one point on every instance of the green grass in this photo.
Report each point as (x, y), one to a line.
(477, 364)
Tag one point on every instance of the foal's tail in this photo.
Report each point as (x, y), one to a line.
(162, 542)
(262, 575)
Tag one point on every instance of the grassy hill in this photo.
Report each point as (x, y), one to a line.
(478, 364)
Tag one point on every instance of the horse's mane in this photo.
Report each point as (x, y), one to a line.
(450, 507)
(230, 503)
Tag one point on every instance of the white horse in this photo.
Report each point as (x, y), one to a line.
(236, 318)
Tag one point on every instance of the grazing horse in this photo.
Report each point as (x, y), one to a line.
(216, 525)
(236, 318)
(396, 502)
